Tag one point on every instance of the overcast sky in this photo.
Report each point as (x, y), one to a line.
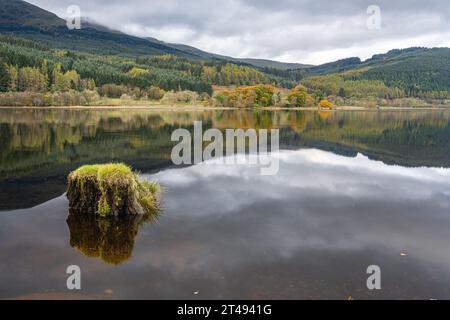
(304, 31)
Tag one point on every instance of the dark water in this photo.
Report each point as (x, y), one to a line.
(354, 189)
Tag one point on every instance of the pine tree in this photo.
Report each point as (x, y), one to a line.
(4, 77)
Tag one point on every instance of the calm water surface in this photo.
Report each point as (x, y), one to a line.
(354, 189)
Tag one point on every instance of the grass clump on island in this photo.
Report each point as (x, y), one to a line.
(112, 189)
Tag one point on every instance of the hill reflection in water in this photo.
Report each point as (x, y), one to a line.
(40, 147)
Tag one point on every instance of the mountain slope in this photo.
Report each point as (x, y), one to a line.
(336, 66)
(15, 13)
(259, 63)
(378, 59)
(416, 70)
(26, 20)
(22, 19)
(412, 72)
(264, 63)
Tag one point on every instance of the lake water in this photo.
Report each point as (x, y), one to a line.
(354, 189)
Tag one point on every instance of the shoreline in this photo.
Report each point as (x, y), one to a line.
(131, 107)
(353, 108)
(210, 108)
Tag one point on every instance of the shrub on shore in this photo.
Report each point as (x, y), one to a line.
(184, 97)
(155, 93)
(245, 97)
(37, 99)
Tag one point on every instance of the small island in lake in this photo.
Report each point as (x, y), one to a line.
(110, 190)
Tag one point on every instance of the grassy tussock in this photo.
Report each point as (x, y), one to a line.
(119, 186)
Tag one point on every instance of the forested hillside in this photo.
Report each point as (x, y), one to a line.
(48, 76)
(412, 72)
(29, 62)
(418, 71)
(22, 19)
(42, 62)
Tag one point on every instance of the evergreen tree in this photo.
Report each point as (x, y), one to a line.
(4, 77)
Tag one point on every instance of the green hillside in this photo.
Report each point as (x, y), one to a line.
(38, 53)
(412, 72)
(258, 63)
(418, 71)
(22, 19)
(15, 13)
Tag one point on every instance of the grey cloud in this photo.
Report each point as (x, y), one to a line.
(297, 30)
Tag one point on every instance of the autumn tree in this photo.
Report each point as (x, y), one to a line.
(326, 104)
(13, 78)
(155, 93)
(87, 84)
(58, 81)
(31, 79)
(231, 74)
(45, 71)
(246, 97)
(73, 79)
(137, 72)
(297, 97)
(113, 90)
(65, 81)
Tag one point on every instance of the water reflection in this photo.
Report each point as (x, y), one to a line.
(110, 239)
(311, 230)
(40, 147)
(228, 232)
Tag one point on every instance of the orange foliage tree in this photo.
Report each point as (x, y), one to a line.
(325, 104)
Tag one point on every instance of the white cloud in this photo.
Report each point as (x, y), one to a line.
(304, 31)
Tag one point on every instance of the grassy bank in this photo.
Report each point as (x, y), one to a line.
(238, 98)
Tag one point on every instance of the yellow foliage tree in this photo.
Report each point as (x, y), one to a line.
(136, 72)
(325, 104)
(298, 97)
